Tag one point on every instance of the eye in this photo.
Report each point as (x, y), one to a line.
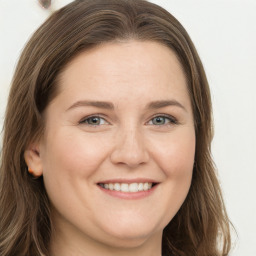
(162, 120)
(94, 121)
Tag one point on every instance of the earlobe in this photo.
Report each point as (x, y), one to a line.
(33, 161)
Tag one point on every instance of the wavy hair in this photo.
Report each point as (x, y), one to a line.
(201, 226)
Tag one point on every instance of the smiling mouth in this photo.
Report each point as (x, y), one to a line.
(128, 188)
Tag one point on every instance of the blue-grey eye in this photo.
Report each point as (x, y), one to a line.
(94, 120)
(161, 120)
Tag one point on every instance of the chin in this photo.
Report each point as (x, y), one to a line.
(129, 240)
(132, 233)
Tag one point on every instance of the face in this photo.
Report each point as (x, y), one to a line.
(118, 150)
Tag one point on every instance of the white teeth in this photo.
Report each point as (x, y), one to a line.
(133, 187)
(145, 186)
(117, 187)
(140, 187)
(124, 187)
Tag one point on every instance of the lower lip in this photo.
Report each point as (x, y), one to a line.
(127, 195)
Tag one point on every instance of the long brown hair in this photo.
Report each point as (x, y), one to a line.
(201, 226)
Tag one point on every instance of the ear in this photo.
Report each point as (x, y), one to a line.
(33, 160)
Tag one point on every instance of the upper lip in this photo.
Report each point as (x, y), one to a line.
(128, 181)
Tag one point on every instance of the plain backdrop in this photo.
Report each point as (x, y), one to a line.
(224, 32)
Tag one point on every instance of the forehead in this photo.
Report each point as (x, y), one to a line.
(123, 69)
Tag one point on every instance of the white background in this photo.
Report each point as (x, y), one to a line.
(224, 32)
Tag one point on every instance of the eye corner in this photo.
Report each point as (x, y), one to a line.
(93, 121)
(162, 120)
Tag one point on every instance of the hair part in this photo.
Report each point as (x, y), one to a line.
(25, 222)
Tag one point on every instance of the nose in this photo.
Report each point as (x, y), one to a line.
(129, 149)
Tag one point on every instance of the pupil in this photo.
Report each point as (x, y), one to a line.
(159, 120)
(94, 120)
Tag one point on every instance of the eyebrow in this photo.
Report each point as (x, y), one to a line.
(97, 104)
(110, 106)
(165, 103)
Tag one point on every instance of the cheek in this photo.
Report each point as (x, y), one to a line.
(175, 155)
(73, 153)
(69, 158)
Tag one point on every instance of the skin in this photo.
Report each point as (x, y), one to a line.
(126, 143)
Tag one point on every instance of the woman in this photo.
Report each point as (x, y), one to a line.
(106, 147)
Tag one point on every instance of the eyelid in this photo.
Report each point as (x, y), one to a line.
(82, 121)
(172, 119)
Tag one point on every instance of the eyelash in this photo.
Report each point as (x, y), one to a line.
(171, 120)
(85, 120)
